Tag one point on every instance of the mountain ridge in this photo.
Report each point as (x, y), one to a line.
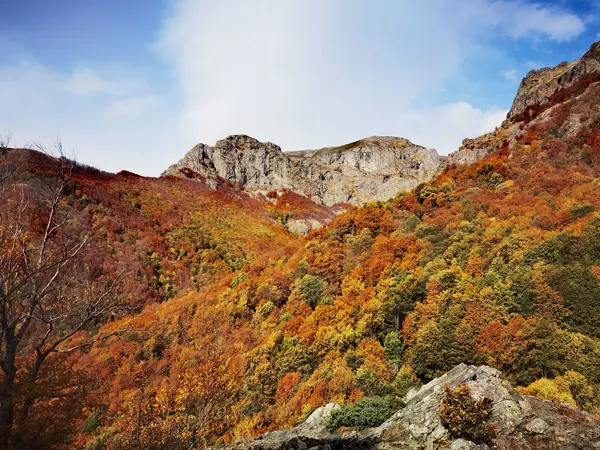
(376, 167)
(369, 169)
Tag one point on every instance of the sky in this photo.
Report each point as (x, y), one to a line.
(134, 84)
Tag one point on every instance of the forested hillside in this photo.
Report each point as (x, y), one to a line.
(223, 325)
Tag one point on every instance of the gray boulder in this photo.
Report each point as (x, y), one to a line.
(520, 422)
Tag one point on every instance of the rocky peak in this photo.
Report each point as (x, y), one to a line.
(375, 168)
(537, 87)
(242, 142)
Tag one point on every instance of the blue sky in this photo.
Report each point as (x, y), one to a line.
(133, 85)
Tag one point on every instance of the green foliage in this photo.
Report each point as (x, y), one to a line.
(267, 308)
(311, 288)
(580, 211)
(369, 382)
(354, 360)
(494, 180)
(465, 417)
(411, 222)
(393, 348)
(367, 412)
(92, 422)
(360, 243)
(301, 269)
(240, 278)
(403, 383)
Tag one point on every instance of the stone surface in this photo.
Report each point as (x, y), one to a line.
(539, 85)
(519, 422)
(303, 226)
(537, 426)
(371, 169)
(320, 415)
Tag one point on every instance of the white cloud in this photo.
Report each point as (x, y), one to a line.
(132, 106)
(313, 73)
(84, 80)
(302, 74)
(510, 75)
(518, 18)
(108, 130)
(444, 127)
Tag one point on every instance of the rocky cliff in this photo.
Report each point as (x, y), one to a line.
(519, 422)
(374, 168)
(539, 90)
(539, 85)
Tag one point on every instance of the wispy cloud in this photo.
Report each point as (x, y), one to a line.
(520, 19)
(84, 80)
(133, 106)
(309, 74)
(444, 127)
(510, 75)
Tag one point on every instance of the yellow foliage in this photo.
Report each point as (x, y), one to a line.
(548, 390)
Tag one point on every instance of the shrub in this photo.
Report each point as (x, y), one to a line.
(92, 423)
(393, 348)
(411, 222)
(240, 278)
(369, 382)
(465, 417)
(311, 288)
(582, 210)
(267, 308)
(572, 388)
(367, 412)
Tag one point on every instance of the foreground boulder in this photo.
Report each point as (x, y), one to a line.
(520, 422)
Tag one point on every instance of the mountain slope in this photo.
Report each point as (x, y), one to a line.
(496, 262)
(236, 327)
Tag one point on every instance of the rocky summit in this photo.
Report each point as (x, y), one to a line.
(539, 91)
(371, 169)
(519, 422)
(539, 85)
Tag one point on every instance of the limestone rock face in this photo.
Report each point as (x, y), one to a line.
(536, 88)
(539, 85)
(371, 169)
(519, 422)
(240, 159)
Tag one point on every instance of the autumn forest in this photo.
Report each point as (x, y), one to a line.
(155, 313)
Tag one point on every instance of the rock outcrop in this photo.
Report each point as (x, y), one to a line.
(538, 89)
(371, 169)
(539, 85)
(519, 422)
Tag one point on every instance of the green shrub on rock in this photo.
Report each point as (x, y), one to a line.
(365, 413)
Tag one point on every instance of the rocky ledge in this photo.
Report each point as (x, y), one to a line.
(519, 422)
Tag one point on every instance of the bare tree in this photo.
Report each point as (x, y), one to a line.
(49, 292)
